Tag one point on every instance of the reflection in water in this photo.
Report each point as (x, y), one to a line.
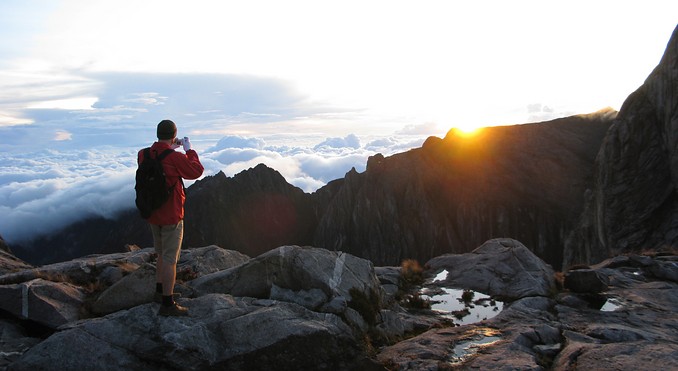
(465, 349)
(462, 306)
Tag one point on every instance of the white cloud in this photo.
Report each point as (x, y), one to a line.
(61, 188)
(350, 141)
(62, 135)
(44, 191)
(237, 141)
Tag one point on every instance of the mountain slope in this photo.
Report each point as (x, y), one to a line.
(524, 181)
(634, 204)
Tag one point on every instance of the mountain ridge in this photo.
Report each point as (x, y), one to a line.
(257, 210)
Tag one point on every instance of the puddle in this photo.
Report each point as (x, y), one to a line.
(611, 305)
(465, 349)
(462, 306)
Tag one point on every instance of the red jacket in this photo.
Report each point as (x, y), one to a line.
(177, 165)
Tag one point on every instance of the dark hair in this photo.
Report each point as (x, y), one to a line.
(167, 129)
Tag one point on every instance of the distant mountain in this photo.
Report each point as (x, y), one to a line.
(634, 203)
(450, 195)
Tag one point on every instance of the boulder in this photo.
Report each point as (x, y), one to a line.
(316, 277)
(209, 259)
(14, 341)
(134, 289)
(138, 287)
(49, 303)
(85, 270)
(500, 267)
(221, 332)
(586, 281)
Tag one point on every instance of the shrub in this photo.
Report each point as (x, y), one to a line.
(411, 272)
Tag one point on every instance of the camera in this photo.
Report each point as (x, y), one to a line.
(179, 141)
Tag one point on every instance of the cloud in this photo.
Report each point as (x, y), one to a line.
(350, 141)
(99, 108)
(62, 135)
(237, 141)
(537, 112)
(43, 191)
(66, 162)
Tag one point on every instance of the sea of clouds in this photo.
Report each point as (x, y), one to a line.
(44, 191)
(68, 146)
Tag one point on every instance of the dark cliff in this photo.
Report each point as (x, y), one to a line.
(634, 205)
(253, 212)
(524, 181)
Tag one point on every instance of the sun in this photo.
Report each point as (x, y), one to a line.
(467, 130)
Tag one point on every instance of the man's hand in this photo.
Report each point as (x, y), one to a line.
(187, 144)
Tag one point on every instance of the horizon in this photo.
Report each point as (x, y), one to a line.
(310, 90)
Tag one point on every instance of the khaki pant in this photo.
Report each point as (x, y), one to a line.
(167, 241)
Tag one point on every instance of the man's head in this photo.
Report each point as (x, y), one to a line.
(167, 130)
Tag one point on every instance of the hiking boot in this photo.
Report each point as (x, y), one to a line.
(174, 310)
(157, 297)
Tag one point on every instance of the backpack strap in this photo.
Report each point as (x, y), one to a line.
(161, 157)
(165, 153)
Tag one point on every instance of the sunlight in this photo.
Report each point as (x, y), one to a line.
(467, 130)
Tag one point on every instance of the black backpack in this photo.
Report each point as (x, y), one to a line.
(151, 186)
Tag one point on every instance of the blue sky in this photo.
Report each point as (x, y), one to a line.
(311, 88)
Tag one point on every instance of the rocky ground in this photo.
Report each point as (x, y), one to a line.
(309, 308)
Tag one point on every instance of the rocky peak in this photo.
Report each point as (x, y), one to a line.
(633, 204)
(523, 181)
(252, 212)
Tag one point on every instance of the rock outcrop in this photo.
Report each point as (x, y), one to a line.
(633, 205)
(500, 268)
(629, 326)
(317, 279)
(222, 333)
(310, 308)
(290, 308)
(10, 263)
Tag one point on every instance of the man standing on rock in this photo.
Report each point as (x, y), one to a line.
(166, 222)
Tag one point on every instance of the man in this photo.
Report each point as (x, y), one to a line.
(167, 223)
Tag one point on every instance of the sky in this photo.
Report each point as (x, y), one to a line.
(310, 88)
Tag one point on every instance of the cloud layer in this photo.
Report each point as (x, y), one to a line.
(43, 191)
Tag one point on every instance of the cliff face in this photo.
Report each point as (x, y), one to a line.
(634, 202)
(253, 212)
(525, 181)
